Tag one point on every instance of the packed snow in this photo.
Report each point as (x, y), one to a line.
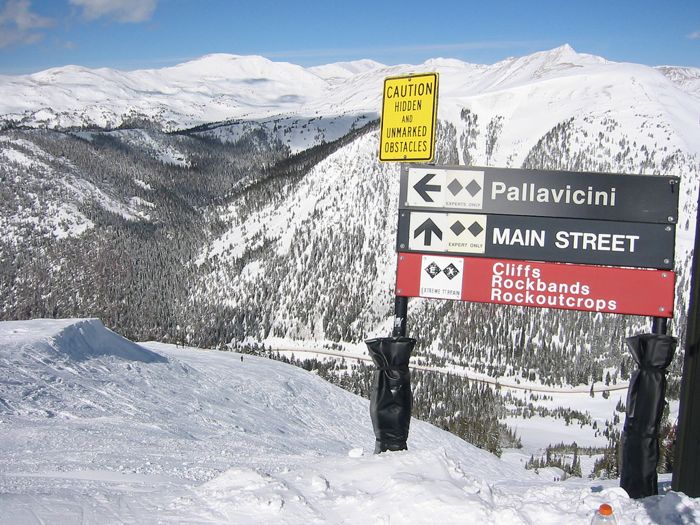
(95, 428)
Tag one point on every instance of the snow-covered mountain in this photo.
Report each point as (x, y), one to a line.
(209, 89)
(273, 219)
(504, 108)
(224, 87)
(97, 429)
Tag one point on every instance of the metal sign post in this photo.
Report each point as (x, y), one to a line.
(686, 464)
(400, 315)
(409, 118)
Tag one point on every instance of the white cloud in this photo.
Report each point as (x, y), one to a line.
(695, 35)
(128, 11)
(18, 24)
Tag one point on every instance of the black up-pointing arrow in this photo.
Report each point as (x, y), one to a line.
(429, 228)
(422, 187)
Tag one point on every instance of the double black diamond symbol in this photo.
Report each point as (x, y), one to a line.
(475, 228)
(455, 187)
(434, 270)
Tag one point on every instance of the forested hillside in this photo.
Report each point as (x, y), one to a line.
(98, 224)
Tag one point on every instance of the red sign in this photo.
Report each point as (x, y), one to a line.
(545, 285)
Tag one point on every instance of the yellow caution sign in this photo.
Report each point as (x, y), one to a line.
(409, 115)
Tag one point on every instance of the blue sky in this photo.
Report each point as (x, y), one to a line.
(143, 34)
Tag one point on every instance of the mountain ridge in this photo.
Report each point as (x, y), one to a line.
(219, 87)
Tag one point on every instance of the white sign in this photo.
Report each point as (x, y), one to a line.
(443, 188)
(441, 277)
(428, 232)
(466, 233)
(447, 232)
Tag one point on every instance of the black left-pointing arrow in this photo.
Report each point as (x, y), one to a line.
(422, 187)
(428, 228)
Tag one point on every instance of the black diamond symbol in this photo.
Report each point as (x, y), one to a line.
(432, 269)
(473, 188)
(451, 271)
(475, 229)
(457, 228)
(455, 187)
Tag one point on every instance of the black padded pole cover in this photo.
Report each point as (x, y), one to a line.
(645, 404)
(391, 399)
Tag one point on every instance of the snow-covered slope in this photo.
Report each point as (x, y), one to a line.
(97, 429)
